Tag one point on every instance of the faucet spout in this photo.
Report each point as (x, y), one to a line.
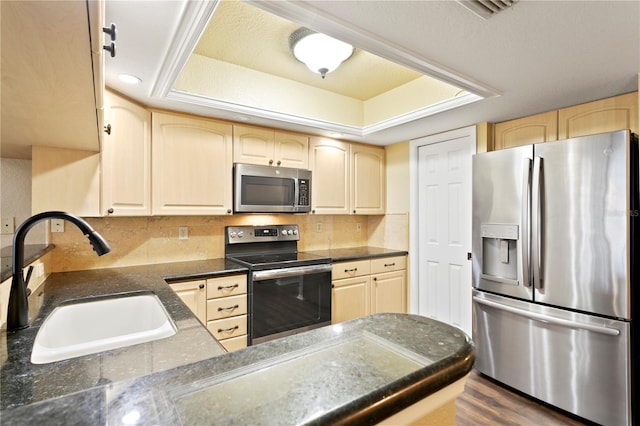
(18, 310)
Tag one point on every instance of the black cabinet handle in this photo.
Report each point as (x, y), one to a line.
(111, 48)
(227, 287)
(221, 330)
(350, 270)
(201, 286)
(110, 31)
(386, 265)
(230, 308)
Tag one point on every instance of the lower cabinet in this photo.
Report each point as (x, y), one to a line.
(369, 286)
(220, 304)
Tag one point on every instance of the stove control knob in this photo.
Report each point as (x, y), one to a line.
(232, 234)
(240, 234)
(295, 232)
(290, 232)
(284, 232)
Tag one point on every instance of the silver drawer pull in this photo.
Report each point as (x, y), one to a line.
(228, 287)
(226, 330)
(351, 270)
(230, 308)
(386, 265)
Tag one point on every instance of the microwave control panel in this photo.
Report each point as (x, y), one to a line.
(303, 192)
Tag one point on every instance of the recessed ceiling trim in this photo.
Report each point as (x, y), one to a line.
(194, 20)
(200, 100)
(419, 113)
(305, 14)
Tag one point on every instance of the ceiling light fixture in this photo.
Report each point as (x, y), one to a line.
(319, 52)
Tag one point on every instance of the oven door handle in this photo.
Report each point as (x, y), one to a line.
(271, 274)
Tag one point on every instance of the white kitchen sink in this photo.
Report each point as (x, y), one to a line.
(94, 325)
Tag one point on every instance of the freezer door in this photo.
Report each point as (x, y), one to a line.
(580, 223)
(501, 187)
(576, 362)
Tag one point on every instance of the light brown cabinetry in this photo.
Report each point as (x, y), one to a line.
(525, 131)
(66, 180)
(221, 304)
(227, 310)
(191, 165)
(370, 286)
(126, 158)
(194, 295)
(605, 115)
(347, 178)
(256, 145)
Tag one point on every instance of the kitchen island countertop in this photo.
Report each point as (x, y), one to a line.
(363, 370)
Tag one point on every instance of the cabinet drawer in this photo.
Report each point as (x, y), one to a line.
(355, 268)
(226, 286)
(228, 327)
(226, 307)
(388, 264)
(234, 343)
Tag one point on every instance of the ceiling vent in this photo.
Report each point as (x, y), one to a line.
(487, 8)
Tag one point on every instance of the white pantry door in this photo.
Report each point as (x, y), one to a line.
(444, 227)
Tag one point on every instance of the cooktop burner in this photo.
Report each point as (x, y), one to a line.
(268, 247)
(279, 260)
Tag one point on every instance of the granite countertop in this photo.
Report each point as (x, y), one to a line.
(32, 252)
(360, 371)
(357, 372)
(357, 253)
(25, 383)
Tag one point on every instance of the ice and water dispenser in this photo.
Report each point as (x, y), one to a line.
(500, 253)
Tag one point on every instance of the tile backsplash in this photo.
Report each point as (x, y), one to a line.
(149, 240)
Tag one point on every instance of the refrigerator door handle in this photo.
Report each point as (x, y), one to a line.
(536, 222)
(548, 319)
(524, 228)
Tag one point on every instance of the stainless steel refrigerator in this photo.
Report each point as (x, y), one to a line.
(555, 263)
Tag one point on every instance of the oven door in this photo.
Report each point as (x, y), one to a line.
(288, 301)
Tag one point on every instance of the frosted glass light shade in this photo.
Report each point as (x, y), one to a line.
(319, 52)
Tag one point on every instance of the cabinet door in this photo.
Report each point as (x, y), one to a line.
(350, 299)
(525, 131)
(126, 158)
(388, 292)
(291, 150)
(191, 165)
(253, 145)
(606, 115)
(368, 180)
(194, 295)
(329, 162)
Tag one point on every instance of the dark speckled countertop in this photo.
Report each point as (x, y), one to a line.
(357, 372)
(31, 252)
(357, 253)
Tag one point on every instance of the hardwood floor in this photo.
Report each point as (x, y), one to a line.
(486, 402)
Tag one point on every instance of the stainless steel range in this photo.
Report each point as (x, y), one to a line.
(289, 291)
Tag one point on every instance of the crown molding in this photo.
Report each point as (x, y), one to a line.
(194, 20)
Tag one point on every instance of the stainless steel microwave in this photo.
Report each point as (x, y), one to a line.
(268, 189)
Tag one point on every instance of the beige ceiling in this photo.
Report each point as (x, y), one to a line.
(246, 36)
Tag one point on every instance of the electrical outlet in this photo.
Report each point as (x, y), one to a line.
(57, 225)
(358, 227)
(8, 225)
(183, 233)
(319, 227)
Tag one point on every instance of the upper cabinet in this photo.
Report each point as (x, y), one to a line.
(347, 178)
(606, 115)
(528, 130)
(52, 76)
(126, 158)
(256, 145)
(368, 180)
(192, 165)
